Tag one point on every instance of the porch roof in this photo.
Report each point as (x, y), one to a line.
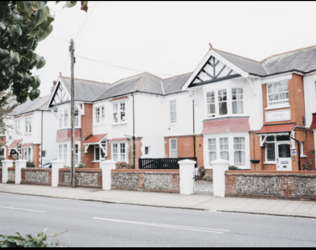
(27, 144)
(95, 139)
(15, 143)
(276, 128)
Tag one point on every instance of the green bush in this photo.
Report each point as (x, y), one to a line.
(233, 168)
(27, 240)
(1, 158)
(207, 178)
(30, 165)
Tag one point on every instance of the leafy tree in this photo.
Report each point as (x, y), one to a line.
(23, 24)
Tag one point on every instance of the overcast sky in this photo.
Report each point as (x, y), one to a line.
(114, 40)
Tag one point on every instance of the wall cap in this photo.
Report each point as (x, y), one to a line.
(186, 162)
(220, 162)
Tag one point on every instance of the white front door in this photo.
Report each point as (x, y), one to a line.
(284, 161)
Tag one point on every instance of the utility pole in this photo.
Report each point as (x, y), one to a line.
(73, 149)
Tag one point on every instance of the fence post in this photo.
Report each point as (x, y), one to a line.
(219, 168)
(5, 173)
(19, 164)
(186, 168)
(56, 165)
(107, 166)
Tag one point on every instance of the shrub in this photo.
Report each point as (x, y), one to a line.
(201, 171)
(233, 168)
(207, 178)
(27, 240)
(30, 165)
(1, 159)
(123, 165)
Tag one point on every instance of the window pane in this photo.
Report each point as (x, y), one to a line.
(239, 143)
(224, 155)
(122, 112)
(66, 118)
(76, 115)
(173, 144)
(212, 144)
(239, 158)
(270, 151)
(212, 157)
(284, 150)
(223, 143)
(97, 153)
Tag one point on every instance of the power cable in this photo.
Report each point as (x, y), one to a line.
(119, 66)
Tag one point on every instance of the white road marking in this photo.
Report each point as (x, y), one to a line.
(22, 209)
(198, 229)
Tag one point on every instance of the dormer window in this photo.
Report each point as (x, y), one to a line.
(278, 93)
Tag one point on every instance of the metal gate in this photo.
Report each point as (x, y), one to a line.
(201, 186)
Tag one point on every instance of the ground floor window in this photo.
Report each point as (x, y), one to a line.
(173, 148)
(28, 154)
(232, 148)
(64, 153)
(2, 152)
(119, 152)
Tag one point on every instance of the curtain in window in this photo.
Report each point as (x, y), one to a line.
(239, 154)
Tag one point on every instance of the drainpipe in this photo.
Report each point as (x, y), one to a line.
(298, 145)
(133, 131)
(42, 139)
(193, 127)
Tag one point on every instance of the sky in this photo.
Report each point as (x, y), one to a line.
(115, 40)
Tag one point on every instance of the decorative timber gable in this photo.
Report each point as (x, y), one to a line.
(213, 68)
(60, 95)
(213, 71)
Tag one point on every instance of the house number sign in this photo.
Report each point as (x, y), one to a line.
(278, 115)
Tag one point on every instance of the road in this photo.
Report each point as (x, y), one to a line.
(97, 224)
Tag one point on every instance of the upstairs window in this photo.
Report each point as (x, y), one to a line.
(76, 115)
(99, 115)
(119, 112)
(278, 93)
(17, 125)
(222, 102)
(210, 99)
(173, 112)
(28, 125)
(237, 101)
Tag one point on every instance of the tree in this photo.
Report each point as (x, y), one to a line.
(23, 24)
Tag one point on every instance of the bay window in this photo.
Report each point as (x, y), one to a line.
(278, 93)
(223, 102)
(224, 150)
(239, 151)
(211, 150)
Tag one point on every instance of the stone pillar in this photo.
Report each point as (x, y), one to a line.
(107, 166)
(19, 164)
(219, 168)
(5, 165)
(56, 165)
(186, 176)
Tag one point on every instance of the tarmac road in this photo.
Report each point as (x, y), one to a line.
(98, 224)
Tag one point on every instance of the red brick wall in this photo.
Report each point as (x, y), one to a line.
(86, 130)
(296, 100)
(36, 155)
(185, 146)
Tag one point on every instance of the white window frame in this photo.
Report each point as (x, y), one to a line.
(211, 149)
(119, 112)
(76, 117)
(63, 120)
(99, 114)
(223, 148)
(173, 119)
(302, 149)
(28, 154)
(4, 152)
(172, 149)
(28, 125)
(242, 150)
(17, 125)
(119, 147)
(280, 102)
(229, 101)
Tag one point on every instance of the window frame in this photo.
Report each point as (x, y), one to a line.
(28, 125)
(119, 151)
(279, 102)
(28, 156)
(212, 150)
(170, 148)
(119, 112)
(173, 121)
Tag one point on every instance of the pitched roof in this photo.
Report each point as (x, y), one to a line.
(174, 84)
(144, 82)
(28, 106)
(85, 90)
(277, 128)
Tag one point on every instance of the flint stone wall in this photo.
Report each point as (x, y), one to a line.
(146, 180)
(83, 177)
(36, 176)
(271, 184)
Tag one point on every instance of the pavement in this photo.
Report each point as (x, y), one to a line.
(170, 200)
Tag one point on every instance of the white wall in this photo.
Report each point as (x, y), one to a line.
(309, 96)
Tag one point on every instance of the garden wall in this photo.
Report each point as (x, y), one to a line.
(36, 176)
(85, 177)
(146, 180)
(0, 174)
(11, 175)
(271, 184)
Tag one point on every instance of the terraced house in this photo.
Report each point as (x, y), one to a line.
(257, 115)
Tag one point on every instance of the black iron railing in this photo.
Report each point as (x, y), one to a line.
(162, 163)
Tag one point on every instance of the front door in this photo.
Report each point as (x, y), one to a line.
(284, 162)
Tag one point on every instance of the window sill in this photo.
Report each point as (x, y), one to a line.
(227, 115)
(303, 156)
(119, 123)
(269, 162)
(98, 124)
(271, 107)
